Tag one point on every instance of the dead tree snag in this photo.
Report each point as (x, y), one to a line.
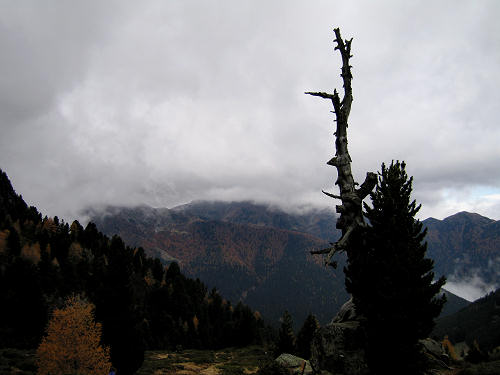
(351, 213)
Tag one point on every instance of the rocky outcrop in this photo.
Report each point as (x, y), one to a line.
(294, 364)
(346, 313)
(337, 350)
(434, 354)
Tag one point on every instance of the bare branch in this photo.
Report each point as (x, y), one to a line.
(323, 251)
(323, 95)
(367, 186)
(331, 195)
(351, 214)
(345, 52)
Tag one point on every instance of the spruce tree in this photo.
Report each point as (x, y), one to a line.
(305, 336)
(118, 306)
(286, 336)
(391, 280)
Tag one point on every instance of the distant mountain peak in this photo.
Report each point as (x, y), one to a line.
(317, 222)
(461, 217)
(464, 216)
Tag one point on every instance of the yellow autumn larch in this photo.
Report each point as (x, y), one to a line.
(72, 344)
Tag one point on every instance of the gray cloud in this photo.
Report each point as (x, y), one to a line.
(165, 102)
(471, 287)
(45, 51)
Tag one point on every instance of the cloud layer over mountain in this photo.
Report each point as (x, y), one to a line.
(166, 102)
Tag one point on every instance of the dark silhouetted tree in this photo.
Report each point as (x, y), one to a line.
(13, 243)
(305, 335)
(24, 313)
(245, 325)
(286, 336)
(119, 310)
(391, 281)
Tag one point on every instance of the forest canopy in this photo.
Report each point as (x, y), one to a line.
(141, 303)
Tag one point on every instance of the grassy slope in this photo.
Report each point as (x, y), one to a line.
(225, 361)
(229, 361)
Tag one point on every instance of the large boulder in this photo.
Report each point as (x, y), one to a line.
(434, 354)
(337, 349)
(294, 364)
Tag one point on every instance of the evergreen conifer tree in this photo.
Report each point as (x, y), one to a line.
(391, 280)
(118, 307)
(13, 242)
(141, 306)
(286, 338)
(305, 336)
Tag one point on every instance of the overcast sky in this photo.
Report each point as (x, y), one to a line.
(165, 102)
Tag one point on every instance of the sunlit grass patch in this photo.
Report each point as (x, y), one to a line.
(230, 361)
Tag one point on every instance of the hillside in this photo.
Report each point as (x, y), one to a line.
(453, 303)
(316, 222)
(465, 246)
(236, 250)
(478, 321)
(140, 303)
(253, 253)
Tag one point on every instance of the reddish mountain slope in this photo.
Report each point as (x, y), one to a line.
(264, 266)
(465, 244)
(260, 255)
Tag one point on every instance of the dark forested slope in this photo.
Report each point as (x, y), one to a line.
(253, 253)
(140, 303)
(478, 321)
(465, 245)
(244, 250)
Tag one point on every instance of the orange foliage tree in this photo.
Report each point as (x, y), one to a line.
(72, 344)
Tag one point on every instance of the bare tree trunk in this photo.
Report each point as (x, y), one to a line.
(351, 214)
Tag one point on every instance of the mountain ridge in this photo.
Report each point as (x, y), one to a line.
(246, 260)
(224, 243)
(315, 221)
(465, 246)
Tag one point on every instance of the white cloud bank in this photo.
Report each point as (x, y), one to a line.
(163, 102)
(470, 288)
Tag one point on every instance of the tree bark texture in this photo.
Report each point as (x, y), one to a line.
(351, 213)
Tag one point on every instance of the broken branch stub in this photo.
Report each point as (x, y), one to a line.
(351, 213)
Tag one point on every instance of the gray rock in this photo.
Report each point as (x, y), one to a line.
(433, 347)
(294, 364)
(435, 355)
(462, 349)
(347, 313)
(337, 349)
